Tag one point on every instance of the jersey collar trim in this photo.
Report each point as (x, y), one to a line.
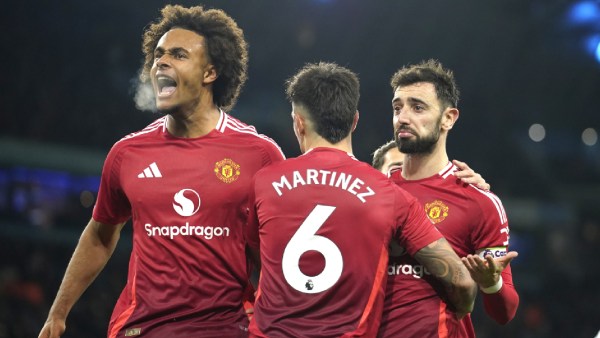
(447, 170)
(222, 123)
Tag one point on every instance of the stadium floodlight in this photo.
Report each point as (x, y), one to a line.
(592, 46)
(584, 13)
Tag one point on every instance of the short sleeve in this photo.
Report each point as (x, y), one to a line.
(273, 153)
(492, 230)
(251, 232)
(112, 205)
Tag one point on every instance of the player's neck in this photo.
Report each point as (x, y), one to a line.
(319, 142)
(195, 122)
(420, 166)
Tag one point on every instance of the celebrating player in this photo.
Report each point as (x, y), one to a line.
(184, 181)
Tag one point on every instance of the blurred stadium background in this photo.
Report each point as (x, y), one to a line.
(529, 73)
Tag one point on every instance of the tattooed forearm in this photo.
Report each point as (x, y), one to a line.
(443, 263)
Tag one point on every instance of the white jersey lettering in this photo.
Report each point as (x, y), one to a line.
(340, 180)
(171, 231)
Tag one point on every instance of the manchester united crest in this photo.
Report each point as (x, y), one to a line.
(437, 211)
(227, 170)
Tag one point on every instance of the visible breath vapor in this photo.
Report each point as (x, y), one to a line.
(144, 96)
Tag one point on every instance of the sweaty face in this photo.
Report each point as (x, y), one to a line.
(180, 62)
(417, 118)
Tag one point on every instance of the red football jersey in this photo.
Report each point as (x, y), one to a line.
(187, 198)
(470, 219)
(323, 223)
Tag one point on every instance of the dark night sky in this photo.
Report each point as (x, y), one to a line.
(70, 65)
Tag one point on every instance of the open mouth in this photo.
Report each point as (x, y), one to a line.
(166, 85)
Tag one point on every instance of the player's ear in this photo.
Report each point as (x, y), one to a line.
(299, 124)
(355, 121)
(210, 74)
(449, 117)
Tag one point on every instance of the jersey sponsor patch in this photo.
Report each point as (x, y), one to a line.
(494, 252)
(172, 231)
(186, 202)
(436, 211)
(417, 270)
(227, 170)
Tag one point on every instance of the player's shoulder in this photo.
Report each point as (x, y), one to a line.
(470, 191)
(375, 175)
(485, 200)
(475, 193)
(233, 127)
(146, 134)
(289, 165)
(381, 183)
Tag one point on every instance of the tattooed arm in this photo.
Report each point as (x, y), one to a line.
(443, 263)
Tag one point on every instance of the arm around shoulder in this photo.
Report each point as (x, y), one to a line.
(95, 247)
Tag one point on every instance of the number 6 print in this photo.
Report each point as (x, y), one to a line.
(304, 240)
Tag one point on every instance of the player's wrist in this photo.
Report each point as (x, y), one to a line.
(492, 289)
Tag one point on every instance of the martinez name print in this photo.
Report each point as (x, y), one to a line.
(341, 180)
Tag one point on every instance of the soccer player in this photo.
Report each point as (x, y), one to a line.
(184, 181)
(472, 220)
(388, 158)
(322, 223)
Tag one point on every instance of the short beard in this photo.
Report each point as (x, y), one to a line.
(421, 145)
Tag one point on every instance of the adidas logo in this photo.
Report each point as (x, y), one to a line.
(150, 172)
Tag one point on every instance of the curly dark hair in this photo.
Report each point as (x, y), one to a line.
(433, 72)
(330, 94)
(226, 47)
